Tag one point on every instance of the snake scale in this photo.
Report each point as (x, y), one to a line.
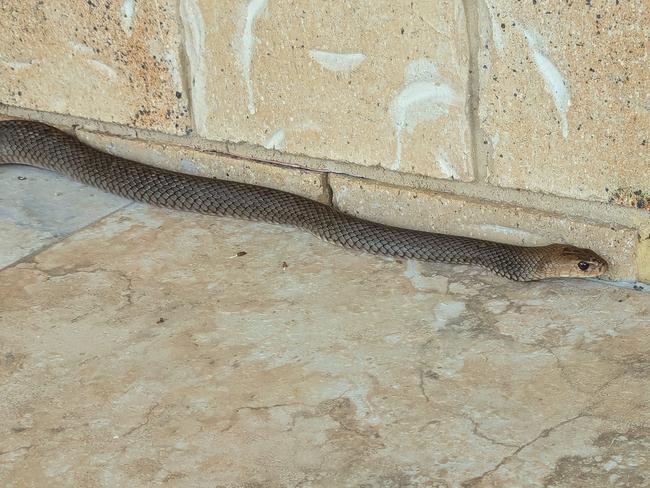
(43, 146)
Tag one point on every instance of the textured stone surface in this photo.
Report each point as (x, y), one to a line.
(643, 253)
(448, 214)
(309, 184)
(115, 61)
(38, 208)
(564, 98)
(143, 350)
(374, 83)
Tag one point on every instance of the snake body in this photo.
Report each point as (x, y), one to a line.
(40, 145)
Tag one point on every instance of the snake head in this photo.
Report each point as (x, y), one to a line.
(564, 261)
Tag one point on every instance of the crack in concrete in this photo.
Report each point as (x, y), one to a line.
(327, 412)
(626, 369)
(478, 433)
(544, 433)
(340, 419)
(55, 273)
(563, 373)
(31, 257)
(430, 422)
(258, 408)
(147, 419)
(26, 448)
(421, 385)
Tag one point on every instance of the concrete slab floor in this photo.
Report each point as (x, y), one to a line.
(156, 348)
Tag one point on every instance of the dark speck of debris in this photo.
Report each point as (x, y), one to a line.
(432, 375)
(284, 265)
(402, 30)
(241, 253)
(160, 320)
(22, 178)
(638, 287)
(503, 26)
(630, 198)
(178, 94)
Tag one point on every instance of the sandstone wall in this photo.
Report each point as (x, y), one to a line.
(525, 122)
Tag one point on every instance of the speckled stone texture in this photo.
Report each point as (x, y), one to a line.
(28, 224)
(564, 99)
(373, 83)
(116, 61)
(157, 348)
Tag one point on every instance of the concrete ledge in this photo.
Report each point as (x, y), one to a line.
(449, 214)
(309, 184)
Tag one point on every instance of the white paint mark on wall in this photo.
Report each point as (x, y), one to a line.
(194, 37)
(495, 139)
(442, 159)
(103, 68)
(172, 64)
(17, 64)
(307, 125)
(556, 84)
(276, 141)
(253, 10)
(81, 48)
(337, 61)
(424, 98)
(127, 14)
(497, 37)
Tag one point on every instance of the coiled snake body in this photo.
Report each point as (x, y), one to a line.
(36, 144)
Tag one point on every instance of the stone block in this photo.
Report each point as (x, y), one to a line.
(112, 61)
(372, 83)
(564, 99)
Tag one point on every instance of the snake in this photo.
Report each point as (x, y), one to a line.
(40, 145)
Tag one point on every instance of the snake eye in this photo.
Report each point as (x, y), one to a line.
(583, 265)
